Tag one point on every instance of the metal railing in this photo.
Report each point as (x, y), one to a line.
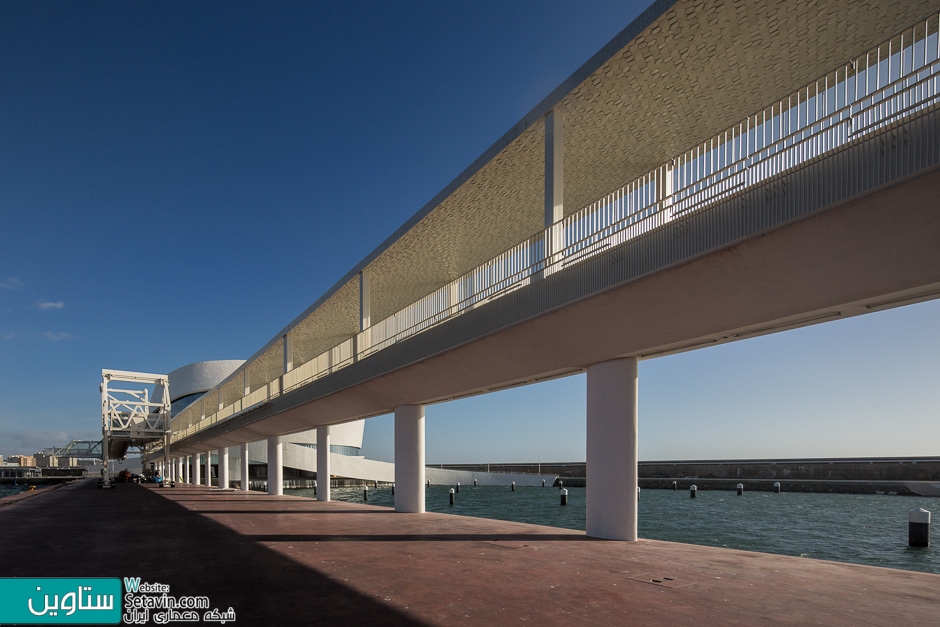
(893, 82)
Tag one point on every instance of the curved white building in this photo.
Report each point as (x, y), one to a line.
(189, 384)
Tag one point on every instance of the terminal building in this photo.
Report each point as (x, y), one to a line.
(190, 384)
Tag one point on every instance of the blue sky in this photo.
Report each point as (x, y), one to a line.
(179, 180)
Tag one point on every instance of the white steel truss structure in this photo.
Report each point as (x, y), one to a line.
(134, 417)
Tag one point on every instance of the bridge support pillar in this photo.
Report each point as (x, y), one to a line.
(197, 470)
(244, 453)
(208, 469)
(323, 463)
(186, 459)
(409, 458)
(612, 449)
(275, 465)
(178, 469)
(223, 468)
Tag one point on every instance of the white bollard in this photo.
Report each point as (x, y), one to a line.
(564, 496)
(458, 487)
(513, 486)
(692, 490)
(365, 493)
(776, 487)
(740, 488)
(451, 496)
(638, 493)
(918, 527)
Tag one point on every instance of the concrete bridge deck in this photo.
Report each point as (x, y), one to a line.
(289, 560)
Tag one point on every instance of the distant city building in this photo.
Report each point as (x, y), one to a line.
(45, 460)
(22, 460)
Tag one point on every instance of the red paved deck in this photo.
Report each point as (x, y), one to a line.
(288, 560)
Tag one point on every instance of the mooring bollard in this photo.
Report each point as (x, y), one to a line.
(638, 493)
(474, 483)
(776, 487)
(692, 490)
(564, 496)
(458, 487)
(561, 484)
(740, 488)
(513, 486)
(918, 527)
(674, 486)
(314, 487)
(543, 483)
(365, 493)
(393, 489)
(451, 496)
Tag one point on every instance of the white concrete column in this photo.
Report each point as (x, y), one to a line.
(179, 468)
(197, 470)
(186, 461)
(244, 454)
(409, 458)
(208, 469)
(223, 468)
(323, 463)
(612, 449)
(275, 465)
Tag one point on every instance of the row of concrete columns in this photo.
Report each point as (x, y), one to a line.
(611, 455)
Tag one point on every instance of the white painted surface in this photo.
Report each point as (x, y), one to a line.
(208, 469)
(920, 516)
(243, 457)
(323, 463)
(409, 458)
(275, 465)
(223, 468)
(612, 450)
(197, 470)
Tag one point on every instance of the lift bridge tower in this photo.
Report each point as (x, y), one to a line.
(133, 417)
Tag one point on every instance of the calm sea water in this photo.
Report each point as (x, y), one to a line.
(8, 490)
(860, 529)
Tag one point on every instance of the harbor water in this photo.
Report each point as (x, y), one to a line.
(861, 529)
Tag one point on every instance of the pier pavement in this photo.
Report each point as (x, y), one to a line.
(290, 560)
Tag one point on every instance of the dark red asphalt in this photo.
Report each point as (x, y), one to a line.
(288, 560)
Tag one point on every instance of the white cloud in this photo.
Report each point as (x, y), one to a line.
(12, 283)
(57, 336)
(8, 335)
(46, 305)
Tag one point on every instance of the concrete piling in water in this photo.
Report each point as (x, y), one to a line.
(675, 486)
(365, 493)
(513, 486)
(692, 490)
(564, 496)
(561, 484)
(638, 493)
(474, 483)
(458, 487)
(451, 496)
(918, 527)
(393, 489)
(543, 483)
(776, 487)
(740, 489)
